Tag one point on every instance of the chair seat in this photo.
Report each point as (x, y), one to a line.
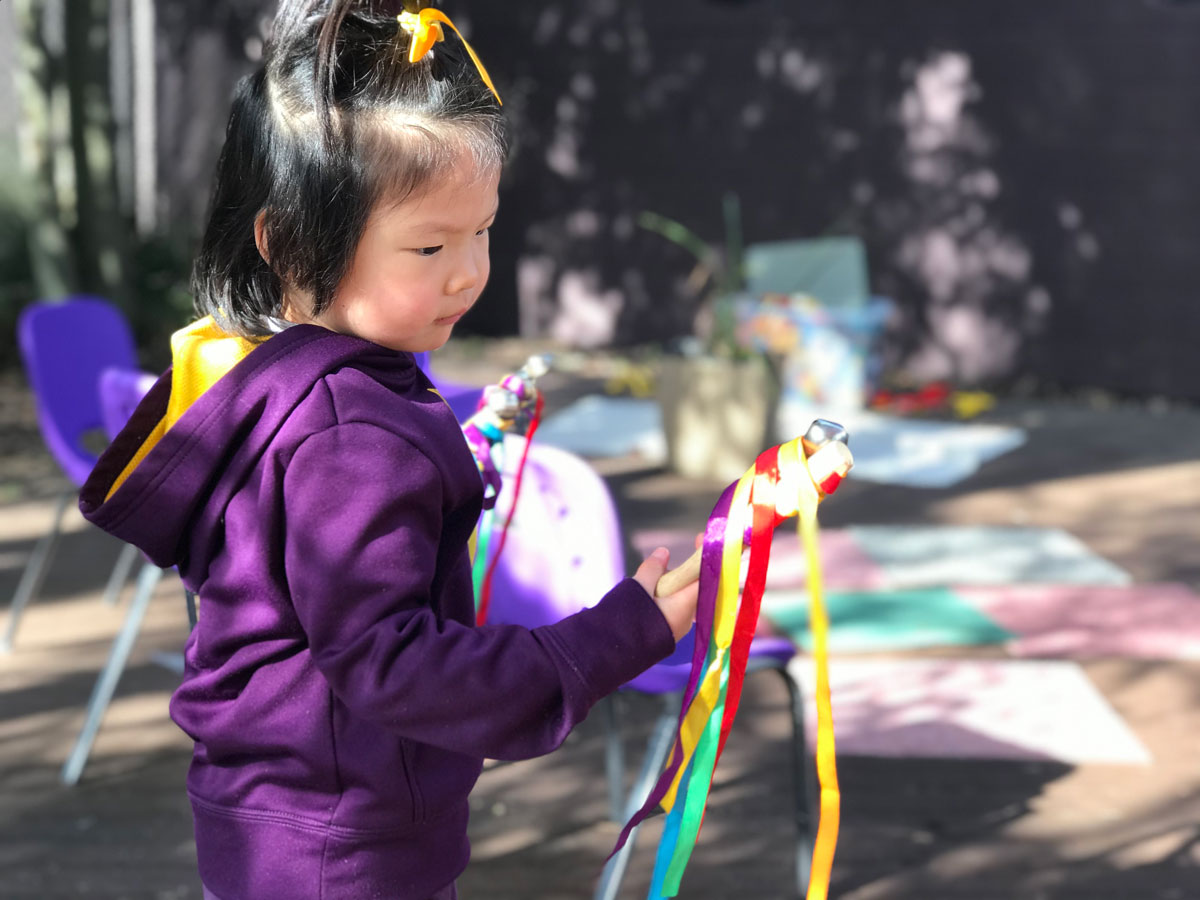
(673, 673)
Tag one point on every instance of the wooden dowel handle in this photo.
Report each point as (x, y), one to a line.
(681, 577)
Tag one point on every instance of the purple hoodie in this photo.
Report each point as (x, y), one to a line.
(319, 498)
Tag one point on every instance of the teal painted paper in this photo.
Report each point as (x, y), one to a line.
(864, 621)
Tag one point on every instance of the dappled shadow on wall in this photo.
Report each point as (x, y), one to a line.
(819, 130)
(975, 298)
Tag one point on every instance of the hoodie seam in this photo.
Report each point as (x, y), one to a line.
(569, 658)
(304, 823)
(341, 791)
(333, 404)
(366, 424)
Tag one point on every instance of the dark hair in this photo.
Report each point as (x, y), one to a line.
(335, 121)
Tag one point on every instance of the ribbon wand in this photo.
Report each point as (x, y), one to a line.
(784, 481)
(514, 404)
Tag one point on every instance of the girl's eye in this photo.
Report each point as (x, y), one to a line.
(428, 251)
(482, 231)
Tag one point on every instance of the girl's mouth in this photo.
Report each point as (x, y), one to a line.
(450, 320)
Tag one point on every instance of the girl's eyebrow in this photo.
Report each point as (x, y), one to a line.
(441, 228)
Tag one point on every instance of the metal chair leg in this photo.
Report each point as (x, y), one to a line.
(192, 610)
(614, 758)
(34, 574)
(147, 580)
(803, 786)
(661, 740)
(120, 574)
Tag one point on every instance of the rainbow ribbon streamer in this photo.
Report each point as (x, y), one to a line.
(724, 630)
(512, 403)
(483, 587)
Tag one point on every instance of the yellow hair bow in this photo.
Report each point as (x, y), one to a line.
(426, 29)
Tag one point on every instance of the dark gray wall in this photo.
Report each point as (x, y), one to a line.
(1023, 173)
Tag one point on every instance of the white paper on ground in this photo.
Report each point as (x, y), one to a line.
(965, 708)
(915, 556)
(886, 450)
(600, 426)
(911, 452)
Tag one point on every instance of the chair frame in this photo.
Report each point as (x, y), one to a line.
(661, 740)
(117, 388)
(120, 389)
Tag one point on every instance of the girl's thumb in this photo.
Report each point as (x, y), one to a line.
(652, 569)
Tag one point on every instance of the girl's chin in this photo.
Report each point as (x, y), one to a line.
(426, 344)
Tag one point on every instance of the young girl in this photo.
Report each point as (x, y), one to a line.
(318, 495)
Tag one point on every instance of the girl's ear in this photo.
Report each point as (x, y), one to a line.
(260, 235)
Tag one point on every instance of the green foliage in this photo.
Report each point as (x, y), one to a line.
(718, 278)
(16, 272)
(162, 299)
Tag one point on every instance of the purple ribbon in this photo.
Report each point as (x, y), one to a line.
(481, 449)
(710, 573)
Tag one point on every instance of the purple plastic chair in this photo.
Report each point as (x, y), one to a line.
(462, 398)
(564, 549)
(81, 362)
(65, 347)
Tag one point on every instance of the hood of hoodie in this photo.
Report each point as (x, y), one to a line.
(205, 423)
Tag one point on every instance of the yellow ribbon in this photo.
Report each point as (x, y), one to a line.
(426, 30)
(831, 795)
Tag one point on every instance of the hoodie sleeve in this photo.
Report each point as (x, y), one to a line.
(363, 514)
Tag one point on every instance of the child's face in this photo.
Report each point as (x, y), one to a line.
(420, 265)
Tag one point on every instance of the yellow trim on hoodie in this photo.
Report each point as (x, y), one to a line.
(201, 355)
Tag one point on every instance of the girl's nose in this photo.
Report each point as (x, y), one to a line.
(466, 274)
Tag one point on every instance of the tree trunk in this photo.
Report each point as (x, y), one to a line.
(78, 240)
(43, 140)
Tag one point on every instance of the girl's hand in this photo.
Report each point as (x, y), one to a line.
(679, 608)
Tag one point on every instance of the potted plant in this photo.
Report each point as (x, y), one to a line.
(718, 395)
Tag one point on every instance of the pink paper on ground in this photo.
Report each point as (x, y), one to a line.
(979, 709)
(844, 565)
(1153, 621)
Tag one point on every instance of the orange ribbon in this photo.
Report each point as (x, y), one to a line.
(426, 30)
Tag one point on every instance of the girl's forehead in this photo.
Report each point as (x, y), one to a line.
(465, 191)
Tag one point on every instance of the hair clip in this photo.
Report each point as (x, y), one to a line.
(426, 30)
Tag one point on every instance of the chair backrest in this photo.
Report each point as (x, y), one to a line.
(64, 347)
(564, 549)
(121, 390)
(564, 552)
(832, 270)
